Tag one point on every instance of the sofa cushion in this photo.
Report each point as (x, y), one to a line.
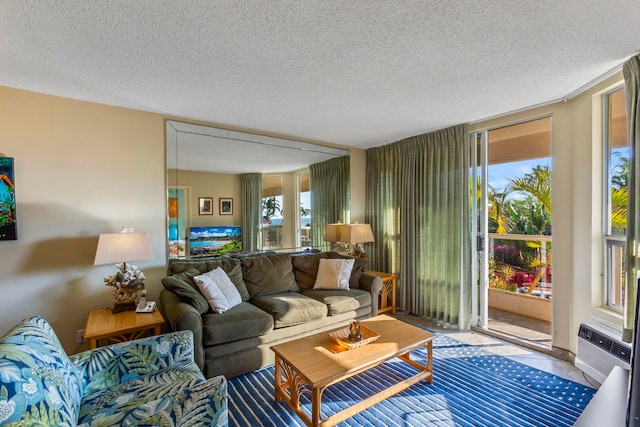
(334, 274)
(231, 266)
(291, 308)
(358, 268)
(40, 385)
(242, 321)
(340, 301)
(172, 396)
(182, 284)
(305, 269)
(268, 275)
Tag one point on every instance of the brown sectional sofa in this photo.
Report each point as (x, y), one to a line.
(279, 304)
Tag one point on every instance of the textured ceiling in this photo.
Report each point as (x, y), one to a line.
(358, 73)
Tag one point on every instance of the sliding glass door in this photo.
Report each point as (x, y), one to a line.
(511, 211)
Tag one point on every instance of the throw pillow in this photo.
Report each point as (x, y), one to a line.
(358, 268)
(182, 284)
(213, 294)
(227, 287)
(334, 274)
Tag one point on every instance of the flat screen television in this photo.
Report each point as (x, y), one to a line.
(633, 406)
(215, 240)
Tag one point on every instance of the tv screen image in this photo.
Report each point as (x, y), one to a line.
(207, 241)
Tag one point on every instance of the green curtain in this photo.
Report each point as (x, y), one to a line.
(418, 208)
(631, 71)
(251, 210)
(330, 196)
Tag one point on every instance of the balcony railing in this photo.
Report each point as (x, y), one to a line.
(272, 236)
(521, 263)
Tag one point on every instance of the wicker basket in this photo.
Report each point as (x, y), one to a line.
(341, 337)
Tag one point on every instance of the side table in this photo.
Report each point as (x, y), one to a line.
(120, 327)
(388, 291)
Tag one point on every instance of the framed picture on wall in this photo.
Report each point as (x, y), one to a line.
(205, 205)
(226, 206)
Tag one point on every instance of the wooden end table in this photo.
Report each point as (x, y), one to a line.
(120, 327)
(388, 291)
(309, 365)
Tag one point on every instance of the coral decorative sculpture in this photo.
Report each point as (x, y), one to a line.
(126, 284)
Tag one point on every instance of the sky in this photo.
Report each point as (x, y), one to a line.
(500, 174)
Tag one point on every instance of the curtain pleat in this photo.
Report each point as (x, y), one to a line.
(631, 71)
(330, 196)
(252, 210)
(418, 208)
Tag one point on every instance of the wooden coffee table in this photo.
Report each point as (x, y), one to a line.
(310, 364)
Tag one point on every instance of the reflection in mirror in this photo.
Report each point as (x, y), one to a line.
(207, 162)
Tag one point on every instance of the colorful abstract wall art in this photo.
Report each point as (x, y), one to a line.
(8, 224)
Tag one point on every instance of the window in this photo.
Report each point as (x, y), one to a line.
(616, 146)
(271, 212)
(304, 195)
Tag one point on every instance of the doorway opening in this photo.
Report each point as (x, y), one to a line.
(514, 215)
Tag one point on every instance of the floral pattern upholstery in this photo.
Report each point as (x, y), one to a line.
(150, 381)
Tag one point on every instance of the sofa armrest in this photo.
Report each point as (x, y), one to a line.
(182, 316)
(372, 284)
(114, 364)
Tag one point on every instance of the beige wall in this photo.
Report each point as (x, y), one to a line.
(214, 185)
(576, 152)
(81, 169)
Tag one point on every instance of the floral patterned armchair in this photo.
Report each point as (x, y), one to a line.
(150, 381)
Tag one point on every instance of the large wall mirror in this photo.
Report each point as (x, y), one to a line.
(204, 188)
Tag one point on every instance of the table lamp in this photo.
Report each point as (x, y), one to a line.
(351, 234)
(119, 249)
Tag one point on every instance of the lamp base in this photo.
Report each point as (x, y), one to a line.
(127, 306)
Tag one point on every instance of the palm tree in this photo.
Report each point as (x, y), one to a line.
(270, 206)
(536, 183)
(498, 208)
(619, 195)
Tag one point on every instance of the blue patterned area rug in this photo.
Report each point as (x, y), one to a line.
(471, 387)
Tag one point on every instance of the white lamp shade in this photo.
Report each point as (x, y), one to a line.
(332, 232)
(356, 233)
(348, 233)
(114, 248)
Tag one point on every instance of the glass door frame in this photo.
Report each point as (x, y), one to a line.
(479, 229)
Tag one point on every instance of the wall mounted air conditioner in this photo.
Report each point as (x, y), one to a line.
(599, 351)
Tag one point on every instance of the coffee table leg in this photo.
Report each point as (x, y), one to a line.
(289, 386)
(430, 361)
(316, 397)
(278, 374)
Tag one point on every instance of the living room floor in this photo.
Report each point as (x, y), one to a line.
(542, 361)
